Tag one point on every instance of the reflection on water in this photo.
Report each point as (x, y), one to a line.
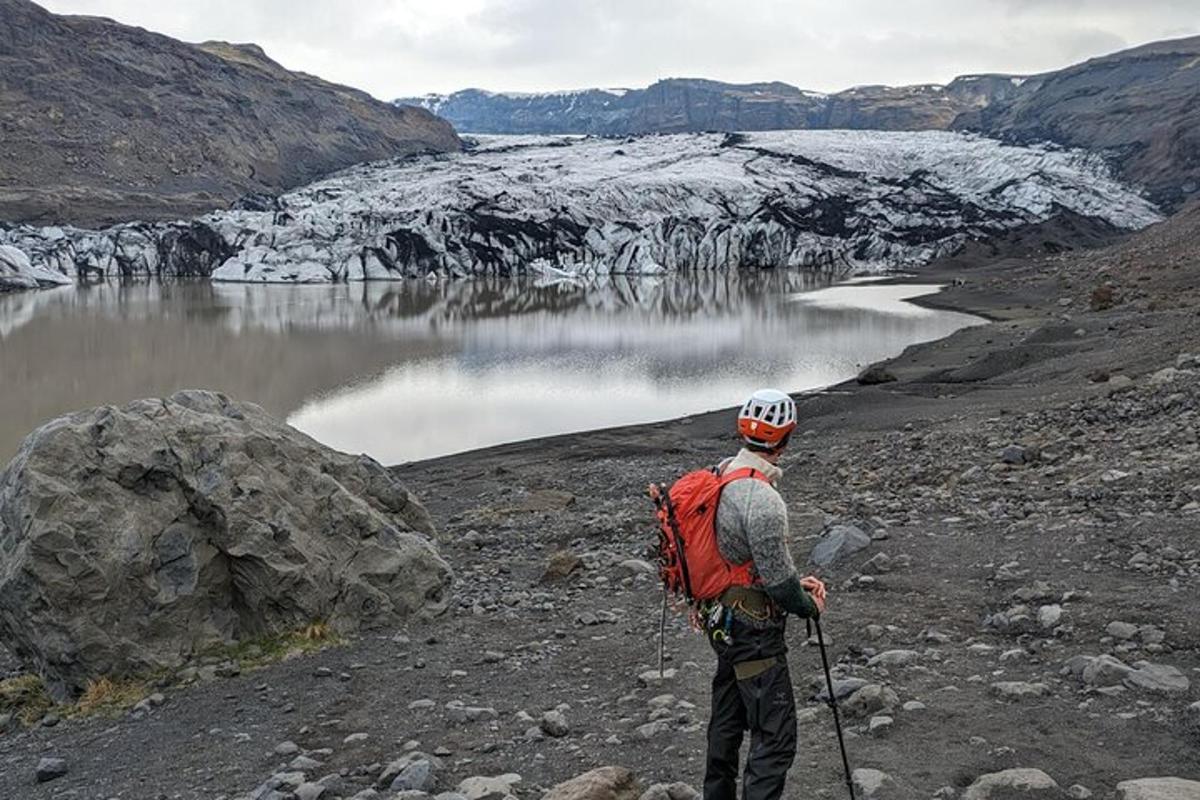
(415, 369)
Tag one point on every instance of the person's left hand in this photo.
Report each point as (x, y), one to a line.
(816, 587)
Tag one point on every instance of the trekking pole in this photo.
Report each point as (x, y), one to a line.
(837, 720)
(662, 634)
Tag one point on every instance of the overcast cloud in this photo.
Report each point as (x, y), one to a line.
(405, 47)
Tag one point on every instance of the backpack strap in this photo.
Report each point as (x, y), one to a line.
(744, 472)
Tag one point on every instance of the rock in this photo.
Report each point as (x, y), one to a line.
(303, 764)
(652, 729)
(878, 564)
(1102, 670)
(605, 783)
(458, 712)
(417, 776)
(192, 522)
(837, 543)
(1121, 630)
(1011, 784)
(894, 658)
(560, 565)
(876, 374)
(1019, 690)
(480, 787)
(635, 566)
(870, 699)
(1014, 454)
(670, 791)
(1078, 792)
(50, 768)
(651, 678)
(554, 723)
(310, 791)
(1159, 789)
(1164, 376)
(879, 725)
(395, 769)
(874, 784)
(842, 687)
(1049, 616)
(1156, 678)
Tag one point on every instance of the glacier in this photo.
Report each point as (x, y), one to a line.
(563, 206)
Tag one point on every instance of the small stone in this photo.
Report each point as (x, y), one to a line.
(1158, 789)
(1156, 678)
(1078, 792)
(1049, 616)
(417, 776)
(1012, 783)
(554, 723)
(1121, 630)
(310, 791)
(652, 678)
(874, 784)
(303, 764)
(288, 748)
(356, 738)
(837, 543)
(50, 768)
(1014, 454)
(879, 725)
(1019, 690)
(480, 787)
(894, 658)
(870, 699)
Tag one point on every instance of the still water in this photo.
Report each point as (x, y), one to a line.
(411, 370)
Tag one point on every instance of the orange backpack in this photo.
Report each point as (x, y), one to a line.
(689, 561)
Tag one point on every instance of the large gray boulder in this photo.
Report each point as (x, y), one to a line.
(132, 538)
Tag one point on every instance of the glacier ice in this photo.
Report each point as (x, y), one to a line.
(562, 206)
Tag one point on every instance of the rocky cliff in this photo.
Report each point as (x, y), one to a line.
(102, 122)
(835, 200)
(1139, 106)
(681, 105)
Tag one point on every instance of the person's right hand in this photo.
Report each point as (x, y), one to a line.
(815, 587)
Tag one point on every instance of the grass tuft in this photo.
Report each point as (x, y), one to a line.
(25, 697)
(266, 650)
(109, 697)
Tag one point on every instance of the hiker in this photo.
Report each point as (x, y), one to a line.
(752, 688)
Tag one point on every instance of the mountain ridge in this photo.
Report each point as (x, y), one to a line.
(102, 122)
(1138, 107)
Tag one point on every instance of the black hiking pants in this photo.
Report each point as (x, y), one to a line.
(763, 705)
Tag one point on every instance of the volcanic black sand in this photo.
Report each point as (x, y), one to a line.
(1027, 484)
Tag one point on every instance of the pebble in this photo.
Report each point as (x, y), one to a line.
(554, 723)
(50, 768)
(356, 738)
(879, 725)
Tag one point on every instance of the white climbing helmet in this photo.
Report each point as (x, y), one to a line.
(767, 418)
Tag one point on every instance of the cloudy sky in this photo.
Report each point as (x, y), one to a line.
(406, 47)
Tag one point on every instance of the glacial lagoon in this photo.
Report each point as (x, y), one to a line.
(415, 369)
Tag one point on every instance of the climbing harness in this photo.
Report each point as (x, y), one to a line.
(837, 721)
